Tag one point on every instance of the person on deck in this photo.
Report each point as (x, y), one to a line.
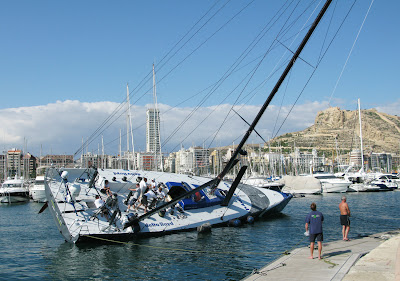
(314, 226)
(143, 188)
(98, 202)
(153, 184)
(344, 218)
(151, 199)
(135, 196)
(162, 192)
(107, 188)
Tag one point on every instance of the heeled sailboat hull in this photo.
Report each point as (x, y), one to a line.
(79, 220)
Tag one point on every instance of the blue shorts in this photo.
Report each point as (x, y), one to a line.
(318, 237)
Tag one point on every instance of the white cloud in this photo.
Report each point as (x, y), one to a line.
(59, 127)
(392, 108)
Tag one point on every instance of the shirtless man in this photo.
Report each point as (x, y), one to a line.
(344, 218)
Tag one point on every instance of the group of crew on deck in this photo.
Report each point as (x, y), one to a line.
(144, 195)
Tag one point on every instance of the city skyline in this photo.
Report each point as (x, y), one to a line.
(62, 78)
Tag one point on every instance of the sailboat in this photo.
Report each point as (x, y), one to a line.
(360, 179)
(186, 202)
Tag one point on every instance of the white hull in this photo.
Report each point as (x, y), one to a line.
(38, 195)
(309, 191)
(4, 198)
(79, 222)
(335, 187)
(369, 187)
(357, 187)
(13, 191)
(13, 195)
(37, 191)
(332, 184)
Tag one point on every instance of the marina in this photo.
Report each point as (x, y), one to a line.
(225, 209)
(33, 248)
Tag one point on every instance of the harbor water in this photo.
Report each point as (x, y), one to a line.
(32, 248)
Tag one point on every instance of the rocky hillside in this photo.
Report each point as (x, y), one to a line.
(340, 128)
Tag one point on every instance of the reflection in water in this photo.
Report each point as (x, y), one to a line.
(32, 247)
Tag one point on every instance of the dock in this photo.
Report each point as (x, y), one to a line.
(375, 257)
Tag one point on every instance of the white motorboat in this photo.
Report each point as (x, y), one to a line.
(37, 190)
(391, 180)
(14, 191)
(263, 182)
(332, 184)
(382, 183)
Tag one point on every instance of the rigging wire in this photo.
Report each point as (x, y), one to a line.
(198, 47)
(168, 139)
(242, 100)
(352, 47)
(313, 72)
(257, 66)
(146, 78)
(92, 137)
(118, 108)
(251, 46)
(214, 88)
(283, 98)
(281, 33)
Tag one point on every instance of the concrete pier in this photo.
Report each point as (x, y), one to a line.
(376, 257)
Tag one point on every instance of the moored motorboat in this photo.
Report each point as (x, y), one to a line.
(13, 191)
(263, 182)
(37, 191)
(332, 184)
(380, 184)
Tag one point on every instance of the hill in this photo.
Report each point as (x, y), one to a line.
(335, 129)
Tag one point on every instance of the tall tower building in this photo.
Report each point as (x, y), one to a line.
(153, 131)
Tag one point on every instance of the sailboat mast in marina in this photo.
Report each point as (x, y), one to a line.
(129, 131)
(361, 142)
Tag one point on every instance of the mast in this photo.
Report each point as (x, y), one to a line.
(82, 151)
(127, 125)
(130, 126)
(5, 164)
(120, 150)
(361, 143)
(102, 153)
(274, 91)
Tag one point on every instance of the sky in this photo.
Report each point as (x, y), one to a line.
(65, 66)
